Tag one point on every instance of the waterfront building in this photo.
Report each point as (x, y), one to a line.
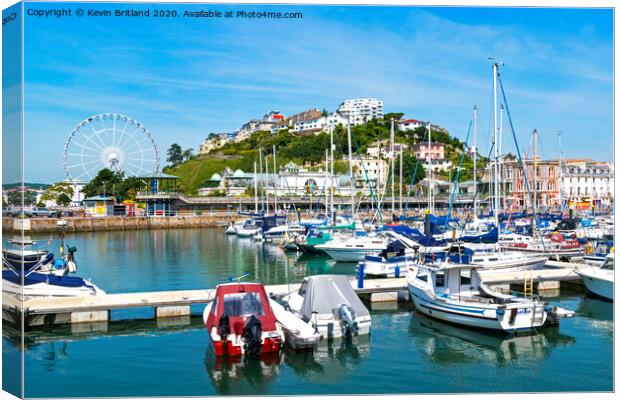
(588, 181)
(99, 206)
(359, 111)
(160, 193)
(582, 181)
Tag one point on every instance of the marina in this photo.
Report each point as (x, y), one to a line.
(228, 216)
(428, 345)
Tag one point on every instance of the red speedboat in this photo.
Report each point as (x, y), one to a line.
(241, 321)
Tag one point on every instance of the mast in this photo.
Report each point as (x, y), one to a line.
(475, 162)
(392, 158)
(430, 171)
(535, 169)
(255, 190)
(260, 164)
(326, 178)
(400, 181)
(500, 161)
(351, 169)
(275, 182)
(561, 183)
(266, 183)
(331, 178)
(495, 147)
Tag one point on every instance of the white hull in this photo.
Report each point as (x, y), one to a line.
(378, 268)
(47, 290)
(348, 255)
(600, 286)
(476, 316)
(247, 233)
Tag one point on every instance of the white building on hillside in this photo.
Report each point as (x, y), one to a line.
(320, 124)
(360, 111)
(266, 123)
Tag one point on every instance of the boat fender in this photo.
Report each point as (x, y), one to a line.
(500, 312)
(549, 308)
(71, 266)
(252, 332)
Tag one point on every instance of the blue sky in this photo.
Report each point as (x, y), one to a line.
(183, 78)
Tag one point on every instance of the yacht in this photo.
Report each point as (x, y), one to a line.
(599, 279)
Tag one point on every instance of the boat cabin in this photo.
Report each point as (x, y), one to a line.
(450, 279)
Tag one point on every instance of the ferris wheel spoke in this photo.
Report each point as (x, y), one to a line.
(122, 143)
(82, 164)
(87, 147)
(120, 132)
(83, 155)
(96, 145)
(88, 171)
(95, 132)
(133, 158)
(136, 142)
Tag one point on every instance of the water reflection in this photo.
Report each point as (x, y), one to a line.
(447, 344)
(242, 375)
(331, 362)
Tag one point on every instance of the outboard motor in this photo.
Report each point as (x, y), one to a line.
(347, 315)
(223, 327)
(252, 332)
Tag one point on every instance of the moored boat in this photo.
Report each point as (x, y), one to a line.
(329, 305)
(240, 320)
(599, 280)
(455, 293)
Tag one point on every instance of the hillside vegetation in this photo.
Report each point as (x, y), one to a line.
(301, 149)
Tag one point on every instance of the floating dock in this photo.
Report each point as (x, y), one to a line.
(78, 309)
(177, 303)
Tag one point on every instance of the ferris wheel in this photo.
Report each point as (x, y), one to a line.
(113, 141)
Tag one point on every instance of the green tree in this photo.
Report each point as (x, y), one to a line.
(105, 183)
(63, 199)
(54, 191)
(409, 166)
(28, 196)
(175, 154)
(188, 154)
(396, 115)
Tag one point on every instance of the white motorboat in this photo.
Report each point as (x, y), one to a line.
(233, 227)
(36, 284)
(599, 279)
(329, 305)
(249, 229)
(279, 231)
(353, 249)
(454, 292)
(491, 256)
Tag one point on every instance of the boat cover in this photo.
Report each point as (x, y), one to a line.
(33, 278)
(324, 293)
(490, 237)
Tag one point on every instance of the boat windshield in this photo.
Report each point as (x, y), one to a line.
(608, 264)
(240, 304)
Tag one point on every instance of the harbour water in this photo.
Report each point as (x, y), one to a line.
(406, 353)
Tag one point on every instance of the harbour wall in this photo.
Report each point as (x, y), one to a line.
(99, 224)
